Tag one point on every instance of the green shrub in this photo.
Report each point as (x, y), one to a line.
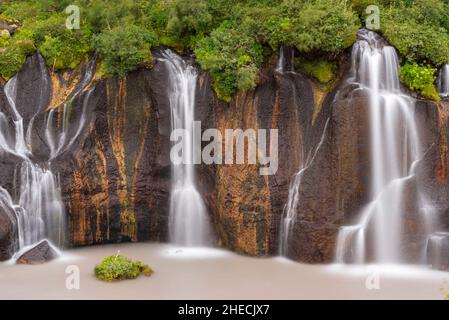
(187, 19)
(320, 25)
(124, 49)
(118, 267)
(61, 48)
(321, 70)
(415, 31)
(232, 58)
(4, 38)
(229, 37)
(13, 57)
(66, 51)
(421, 79)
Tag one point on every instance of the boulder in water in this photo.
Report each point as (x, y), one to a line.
(41, 253)
(8, 234)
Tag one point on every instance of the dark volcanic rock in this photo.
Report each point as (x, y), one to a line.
(246, 207)
(332, 187)
(41, 253)
(115, 176)
(118, 182)
(8, 233)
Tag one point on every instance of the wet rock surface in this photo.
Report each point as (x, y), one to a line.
(41, 253)
(8, 233)
(115, 176)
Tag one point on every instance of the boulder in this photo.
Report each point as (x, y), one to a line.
(11, 27)
(8, 233)
(41, 253)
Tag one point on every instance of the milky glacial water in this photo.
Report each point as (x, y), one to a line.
(206, 273)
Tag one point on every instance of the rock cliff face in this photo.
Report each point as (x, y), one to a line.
(115, 174)
(245, 205)
(8, 233)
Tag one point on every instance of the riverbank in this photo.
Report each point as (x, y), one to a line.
(185, 273)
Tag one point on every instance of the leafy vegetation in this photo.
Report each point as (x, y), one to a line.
(231, 59)
(321, 70)
(418, 30)
(118, 267)
(123, 49)
(230, 38)
(13, 56)
(421, 79)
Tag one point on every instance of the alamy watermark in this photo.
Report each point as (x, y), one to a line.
(236, 147)
(73, 20)
(372, 281)
(372, 21)
(72, 281)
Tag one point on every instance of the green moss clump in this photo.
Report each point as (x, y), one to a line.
(13, 56)
(420, 79)
(321, 70)
(118, 267)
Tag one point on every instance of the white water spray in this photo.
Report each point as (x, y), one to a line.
(189, 224)
(37, 204)
(283, 64)
(395, 151)
(443, 81)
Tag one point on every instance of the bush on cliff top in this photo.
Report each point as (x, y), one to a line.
(231, 58)
(123, 50)
(229, 37)
(118, 267)
(421, 79)
(13, 55)
(419, 30)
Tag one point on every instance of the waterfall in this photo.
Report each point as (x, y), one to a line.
(189, 223)
(285, 61)
(38, 206)
(289, 213)
(437, 249)
(36, 200)
(59, 142)
(443, 81)
(395, 151)
(281, 61)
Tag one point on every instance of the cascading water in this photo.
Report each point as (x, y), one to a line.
(290, 209)
(285, 61)
(437, 249)
(443, 81)
(58, 142)
(281, 61)
(189, 224)
(395, 151)
(36, 202)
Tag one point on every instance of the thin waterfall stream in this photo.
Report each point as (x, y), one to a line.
(290, 210)
(36, 200)
(443, 81)
(189, 223)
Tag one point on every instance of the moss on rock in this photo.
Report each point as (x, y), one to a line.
(119, 267)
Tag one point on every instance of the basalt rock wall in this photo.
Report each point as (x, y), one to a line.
(115, 174)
